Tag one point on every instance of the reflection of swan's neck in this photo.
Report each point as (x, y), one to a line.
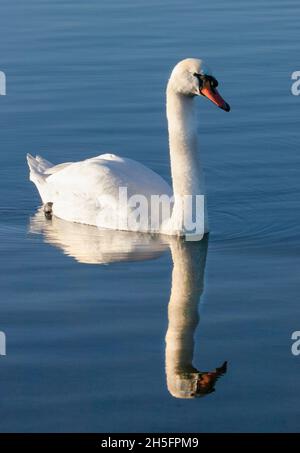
(187, 286)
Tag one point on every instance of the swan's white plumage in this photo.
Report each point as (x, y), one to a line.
(75, 188)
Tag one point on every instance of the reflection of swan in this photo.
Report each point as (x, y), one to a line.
(88, 191)
(185, 381)
(88, 244)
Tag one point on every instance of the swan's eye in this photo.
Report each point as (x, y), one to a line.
(203, 78)
(213, 82)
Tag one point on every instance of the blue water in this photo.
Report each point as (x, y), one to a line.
(86, 346)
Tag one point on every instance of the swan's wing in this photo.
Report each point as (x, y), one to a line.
(50, 169)
(56, 168)
(82, 190)
(109, 156)
(105, 174)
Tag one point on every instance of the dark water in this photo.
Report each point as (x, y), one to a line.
(86, 344)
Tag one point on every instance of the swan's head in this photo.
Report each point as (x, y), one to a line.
(192, 77)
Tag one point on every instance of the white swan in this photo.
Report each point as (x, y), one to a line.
(88, 191)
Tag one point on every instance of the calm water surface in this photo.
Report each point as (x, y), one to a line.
(86, 312)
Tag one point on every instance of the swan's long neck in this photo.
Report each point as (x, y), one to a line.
(185, 164)
(187, 176)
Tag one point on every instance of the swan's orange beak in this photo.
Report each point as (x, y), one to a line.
(213, 95)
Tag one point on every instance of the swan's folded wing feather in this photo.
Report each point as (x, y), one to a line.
(57, 168)
(44, 164)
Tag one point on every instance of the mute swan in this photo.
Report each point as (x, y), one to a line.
(88, 192)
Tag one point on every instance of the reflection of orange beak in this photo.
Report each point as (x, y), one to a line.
(215, 97)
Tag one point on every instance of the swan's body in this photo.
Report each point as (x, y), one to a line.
(88, 192)
(76, 188)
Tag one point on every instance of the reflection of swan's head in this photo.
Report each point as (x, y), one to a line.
(195, 383)
(192, 77)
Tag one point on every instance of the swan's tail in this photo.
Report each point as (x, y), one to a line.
(38, 167)
(38, 164)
